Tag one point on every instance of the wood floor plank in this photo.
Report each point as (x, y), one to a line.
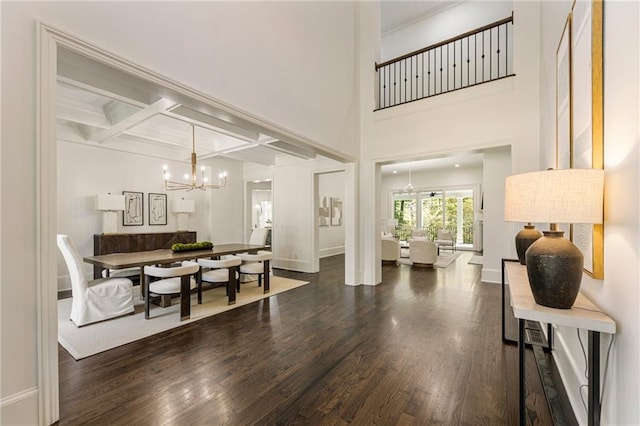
(423, 347)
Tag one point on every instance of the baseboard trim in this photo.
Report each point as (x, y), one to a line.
(491, 275)
(331, 251)
(292, 265)
(20, 408)
(16, 397)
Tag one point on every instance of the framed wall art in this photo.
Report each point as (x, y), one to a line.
(133, 214)
(157, 209)
(324, 212)
(563, 98)
(563, 105)
(587, 116)
(336, 211)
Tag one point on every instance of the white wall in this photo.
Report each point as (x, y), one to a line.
(293, 212)
(496, 114)
(331, 238)
(86, 171)
(224, 221)
(274, 59)
(497, 234)
(459, 19)
(619, 293)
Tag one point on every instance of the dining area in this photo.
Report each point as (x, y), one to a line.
(165, 266)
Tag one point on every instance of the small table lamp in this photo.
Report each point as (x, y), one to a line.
(109, 205)
(183, 208)
(554, 264)
(392, 223)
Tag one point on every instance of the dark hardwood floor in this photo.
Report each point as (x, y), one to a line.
(421, 348)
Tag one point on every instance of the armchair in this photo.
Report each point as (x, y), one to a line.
(422, 253)
(390, 249)
(446, 239)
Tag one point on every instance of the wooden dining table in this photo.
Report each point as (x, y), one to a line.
(164, 257)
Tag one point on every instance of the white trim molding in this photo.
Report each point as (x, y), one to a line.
(46, 192)
(20, 408)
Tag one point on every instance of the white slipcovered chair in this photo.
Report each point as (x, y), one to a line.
(94, 300)
(390, 249)
(169, 282)
(225, 270)
(422, 252)
(259, 236)
(445, 239)
(121, 273)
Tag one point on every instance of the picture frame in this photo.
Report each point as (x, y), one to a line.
(157, 209)
(324, 212)
(563, 104)
(587, 117)
(563, 98)
(336, 211)
(133, 214)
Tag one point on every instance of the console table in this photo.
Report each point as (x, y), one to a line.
(583, 315)
(129, 243)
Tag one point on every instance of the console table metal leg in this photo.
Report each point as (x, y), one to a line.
(594, 378)
(504, 333)
(521, 374)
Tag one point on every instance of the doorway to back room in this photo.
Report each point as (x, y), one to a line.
(426, 211)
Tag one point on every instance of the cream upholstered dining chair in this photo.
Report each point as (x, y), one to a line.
(253, 264)
(169, 282)
(94, 300)
(445, 239)
(225, 270)
(422, 252)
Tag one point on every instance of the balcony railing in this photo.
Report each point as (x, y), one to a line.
(403, 233)
(472, 58)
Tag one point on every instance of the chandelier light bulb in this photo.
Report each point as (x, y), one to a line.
(191, 182)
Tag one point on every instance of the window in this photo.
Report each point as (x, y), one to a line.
(439, 209)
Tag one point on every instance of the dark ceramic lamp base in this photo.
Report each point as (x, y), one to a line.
(524, 239)
(554, 267)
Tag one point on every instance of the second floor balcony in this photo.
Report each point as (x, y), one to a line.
(478, 56)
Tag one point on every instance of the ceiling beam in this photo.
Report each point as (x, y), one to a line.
(192, 116)
(122, 126)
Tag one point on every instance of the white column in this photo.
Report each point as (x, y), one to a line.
(459, 222)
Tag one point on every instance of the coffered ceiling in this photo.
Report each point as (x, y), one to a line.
(106, 108)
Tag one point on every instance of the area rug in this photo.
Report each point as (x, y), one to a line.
(99, 337)
(444, 259)
(475, 260)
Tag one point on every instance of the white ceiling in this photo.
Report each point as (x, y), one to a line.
(397, 14)
(463, 160)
